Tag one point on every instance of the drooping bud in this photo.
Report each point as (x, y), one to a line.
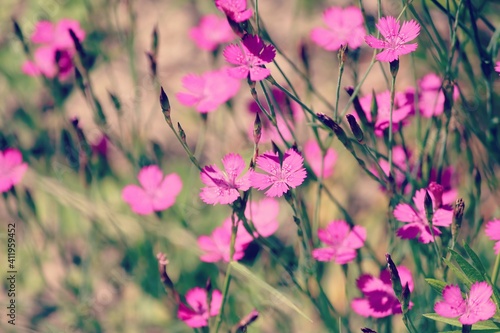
(339, 132)
(355, 129)
(165, 279)
(394, 67)
(182, 134)
(241, 327)
(257, 129)
(437, 192)
(429, 211)
(458, 214)
(395, 279)
(357, 106)
(367, 330)
(165, 106)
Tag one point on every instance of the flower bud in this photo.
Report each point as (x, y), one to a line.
(437, 192)
(165, 106)
(355, 129)
(429, 211)
(304, 56)
(246, 321)
(342, 55)
(152, 63)
(405, 299)
(165, 279)
(339, 132)
(257, 129)
(154, 41)
(458, 214)
(357, 106)
(394, 66)
(367, 330)
(395, 279)
(182, 134)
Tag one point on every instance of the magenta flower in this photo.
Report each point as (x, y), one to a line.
(416, 220)
(250, 58)
(217, 246)
(196, 312)
(345, 27)
(341, 241)
(12, 168)
(476, 306)
(431, 100)
(380, 300)
(448, 181)
(156, 192)
(208, 91)
(222, 187)
(401, 163)
(396, 38)
(211, 32)
(264, 216)
(280, 175)
(234, 9)
(497, 67)
(493, 232)
(312, 153)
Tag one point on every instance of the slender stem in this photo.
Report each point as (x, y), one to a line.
(393, 93)
(496, 269)
(339, 81)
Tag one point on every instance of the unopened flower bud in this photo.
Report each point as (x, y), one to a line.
(355, 129)
(152, 63)
(154, 41)
(182, 134)
(394, 66)
(165, 279)
(395, 279)
(357, 106)
(19, 34)
(437, 192)
(458, 214)
(304, 56)
(100, 117)
(165, 106)
(429, 211)
(116, 103)
(339, 132)
(405, 298)
(257, 129)
(477, 181)
(342, 55)
(367, 330)
(246, 321)
(448, 89)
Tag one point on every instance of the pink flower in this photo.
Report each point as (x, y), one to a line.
(217, 246)
(476, 306)
(234, 9)
(400, 162)
(431, 100)
(395, 38)
(211, 32)
(312, 153)
(156, 192)
(12, 168)
(281, 175)
(195, 313)
(380, 300)
(493, 232)
(222, 187)
(263, 215)
(417, 224)
(497, 67)
(345, 27)
(250, 57)
(57, 35)
(448, 181)
(341, 242)
(208, 91)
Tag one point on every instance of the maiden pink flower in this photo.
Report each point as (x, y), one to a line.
(380, 300)
(345, 27)
(341, 241)
(12, 168)
(312, 153)
(211, 32)
(222, 186)
(396, 38)
(431, 100)
(263, 215)
(217, 246)
(250, 58)
(417, 224)
(234, 9)
(400, 162)
(280, 175)
(196, 313)
(476, 306)
(497, 67)
(208, 91)
(156, 192)
(493, 232)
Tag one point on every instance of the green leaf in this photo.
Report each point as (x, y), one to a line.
(437, 285)
(469, 270)
(483, 325)
(459, 274)
(475, 259)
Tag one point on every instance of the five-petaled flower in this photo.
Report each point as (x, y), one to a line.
(317, 161)
(222, 187)
(493, 232)
(211, 32)
(431, 99)
(476, 306)
(396, 38)
(234, 9)
(341, 242)
(12, 168)
(157, 192)
(280, 175)
(196, 312)
(250, 58)
(217, 246)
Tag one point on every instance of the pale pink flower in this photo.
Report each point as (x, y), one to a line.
(416, 219)
(217, 246)
(396, 38)
(12, 168)
(380, 300)
(345, 27)
(493, 232)
(57, 35)
(476, 306)
(431, 99)
(250, 58)
(280, 175)
(156, 192)
(236, 10)
(222, 187)
(263, 215)
(341, 241)
(400, 165)
(497, 67)
(211, 32)
(196, 312)
(312, 153)
(208, 91)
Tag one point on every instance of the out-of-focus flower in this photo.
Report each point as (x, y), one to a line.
(476, 306)
(431, 100)
(396, 38)
(222, 186)
(208, 91)
(493, 232)
(236, 10)
(450, 192)
(211, 32)
(401, 162)
(280, 175)
(380, 300)
(264, 216)
(345, 27)
(12, 168)
(196, 312)
(497, 67)
(341, 241)
(312, 153)
(156, 192)
(217, 246)
(250, 58)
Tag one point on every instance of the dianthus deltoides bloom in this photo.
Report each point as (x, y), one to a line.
(263, 215)
(280, 176)
(431, 99)
(476, 306)
(313, 155)
(222, 187)
(380, 300)
(416, 219)
(493, 232)
(196, 312)
(341, 241)
(156, 192)
(217, 246)
(396, 38)
(250, 58)
(12, 168)
(211, 32)
(345, 27)
(236, 10)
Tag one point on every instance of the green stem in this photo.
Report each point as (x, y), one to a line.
(496, 269)
(393, 93)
